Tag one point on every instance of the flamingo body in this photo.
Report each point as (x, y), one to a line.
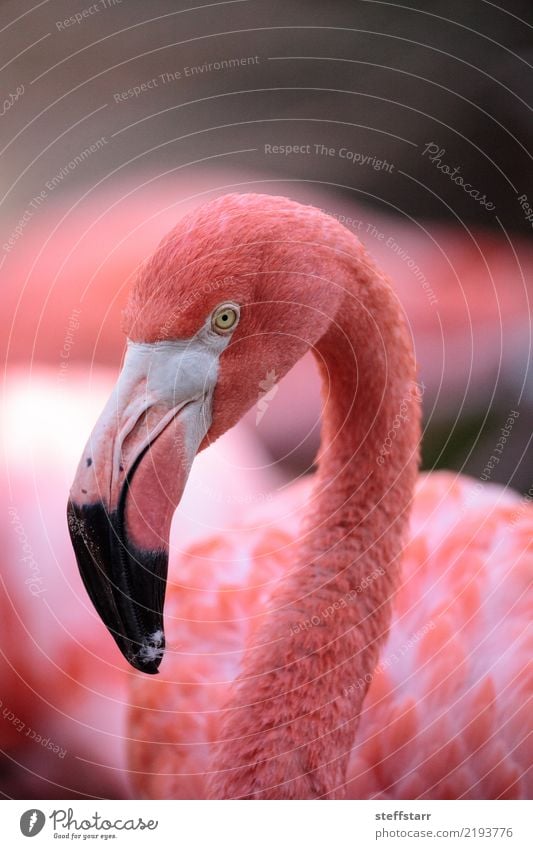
(281, 637)
(448, 709)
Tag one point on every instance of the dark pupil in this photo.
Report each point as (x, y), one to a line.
(225, 317)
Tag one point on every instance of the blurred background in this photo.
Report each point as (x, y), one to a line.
(411, 125)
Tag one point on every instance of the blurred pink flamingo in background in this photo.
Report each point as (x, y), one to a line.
(291, 626)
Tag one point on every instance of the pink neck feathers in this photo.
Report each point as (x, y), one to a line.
(290, 724)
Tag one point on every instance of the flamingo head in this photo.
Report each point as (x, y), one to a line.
(238, 290)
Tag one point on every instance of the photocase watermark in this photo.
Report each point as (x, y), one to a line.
(505, 432)
(34, 581)
(65, 819)
(29, 732)
(497, 451)
(402, 254)
(522, 507)
(389, 660)
(32, 822)
(24, 220)
(435, 154)
(221, 496)
(353, 156)
(268, 389)
(169, 77)
(37, 201)
(73, 323)
(401, 416)
(9, 101)
(353, 223)
(366, 228)
(166, 329)
(73, 164)
(339, 604)
(88, 12)
(65, 824)
(526, 207)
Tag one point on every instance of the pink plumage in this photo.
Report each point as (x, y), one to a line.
(279, 629)
(448, 711)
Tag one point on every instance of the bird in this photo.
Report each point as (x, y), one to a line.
(288, 647)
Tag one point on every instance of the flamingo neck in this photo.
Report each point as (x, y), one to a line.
(293, 715)
(370, 432)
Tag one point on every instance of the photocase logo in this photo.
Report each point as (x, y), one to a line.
(32, 822)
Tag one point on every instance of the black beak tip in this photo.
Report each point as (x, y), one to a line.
(151, 668)
(126, 585)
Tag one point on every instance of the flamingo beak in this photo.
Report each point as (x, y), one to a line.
(129, 481)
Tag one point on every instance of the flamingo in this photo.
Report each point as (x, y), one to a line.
(291, 629)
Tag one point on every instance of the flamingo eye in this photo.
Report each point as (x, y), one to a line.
(225, 317)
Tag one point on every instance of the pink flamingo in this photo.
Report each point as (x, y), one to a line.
(291, 625)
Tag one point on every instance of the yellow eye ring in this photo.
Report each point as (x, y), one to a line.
(225, 318)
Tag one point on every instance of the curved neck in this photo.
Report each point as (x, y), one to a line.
(292, 718)
(371, 423)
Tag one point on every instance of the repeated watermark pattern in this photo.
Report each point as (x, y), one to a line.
(520, 511)
(367, 228)
(167, 328)
(63, 172)
(402, 416)
(9, 101)
(355, 157)
(174, 118)
(86, 13)
(340, 604)
(34, 580)
(388, 661)
(176, 75)
(27, 731)
(495, 457)
(526, 208)
(69, 339)
(222, 496)
(37, 200)
(435, 154)
(402, 254)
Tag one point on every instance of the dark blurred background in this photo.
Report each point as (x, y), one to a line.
(380, 79)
